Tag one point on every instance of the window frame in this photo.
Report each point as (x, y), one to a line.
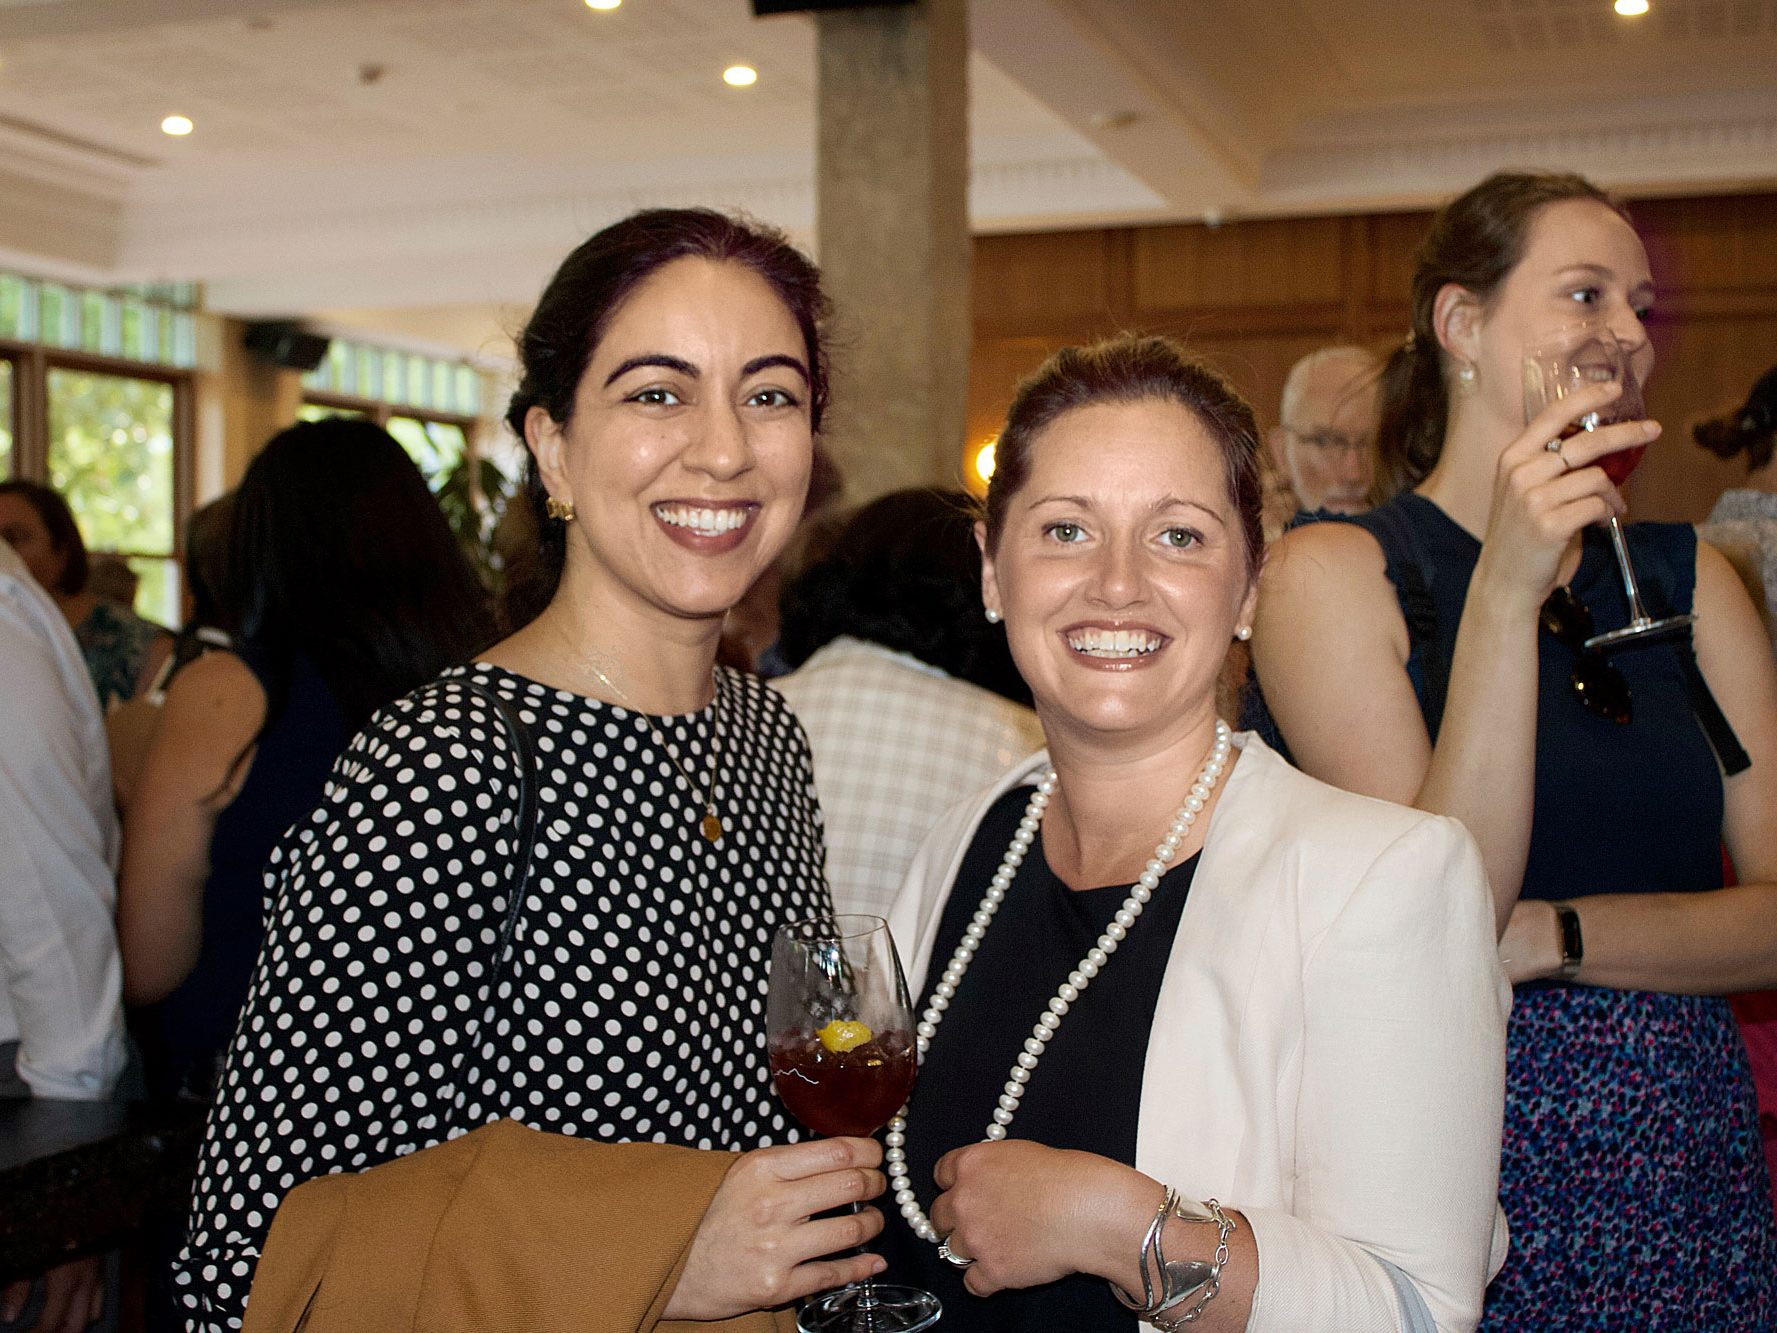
(31, 366)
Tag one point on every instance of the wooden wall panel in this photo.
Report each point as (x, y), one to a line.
(1703, 367)
(1059, 280)
(1702, 247)
(1278, 263)
(1252, 296)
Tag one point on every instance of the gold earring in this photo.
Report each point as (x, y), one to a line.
(562, 509)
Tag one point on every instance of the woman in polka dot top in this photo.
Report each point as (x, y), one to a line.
(673, 383)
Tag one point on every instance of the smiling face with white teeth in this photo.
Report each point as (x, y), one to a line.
(1121, 571)
(688, 450)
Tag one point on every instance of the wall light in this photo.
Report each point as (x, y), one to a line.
(177, 126)
(984, 460)
(740, 76)
(1631, 8)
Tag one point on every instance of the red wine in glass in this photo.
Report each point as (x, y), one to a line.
(1583, 354)
(843, 1059)
(853, 1090)
(1620, 465)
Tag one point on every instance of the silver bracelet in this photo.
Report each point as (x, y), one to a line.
(1179, 1281)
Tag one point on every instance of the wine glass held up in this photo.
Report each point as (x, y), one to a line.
(1585, 354)
(843, 1059)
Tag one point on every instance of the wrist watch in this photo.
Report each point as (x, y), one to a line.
(1573, 943)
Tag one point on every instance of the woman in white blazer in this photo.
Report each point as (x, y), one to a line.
(1203, 1039)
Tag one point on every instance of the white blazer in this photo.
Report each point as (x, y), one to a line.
(1327, 1053)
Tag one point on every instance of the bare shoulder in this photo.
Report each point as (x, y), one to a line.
(1324, 577)
(218, 692)
(1323, 556)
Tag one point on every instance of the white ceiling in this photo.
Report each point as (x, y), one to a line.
(420, 165)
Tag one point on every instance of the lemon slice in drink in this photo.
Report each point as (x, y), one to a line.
(844, 1034)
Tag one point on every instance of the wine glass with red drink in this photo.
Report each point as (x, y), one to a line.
(1580, 355)
(843, 1060)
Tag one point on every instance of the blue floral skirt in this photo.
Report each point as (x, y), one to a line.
(1632, 1174)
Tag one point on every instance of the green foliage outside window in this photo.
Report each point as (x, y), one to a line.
(111, 457)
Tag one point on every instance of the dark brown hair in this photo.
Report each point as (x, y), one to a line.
(64, 532)
(584, 296)
(1476, 240)
(1751, 428)
(1130, 369)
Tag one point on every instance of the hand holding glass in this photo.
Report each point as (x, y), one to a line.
(1590, 354)
(843, 1060)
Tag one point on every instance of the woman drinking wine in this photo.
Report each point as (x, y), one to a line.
(1444, 650)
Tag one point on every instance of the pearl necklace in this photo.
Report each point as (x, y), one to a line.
(1049, 1022)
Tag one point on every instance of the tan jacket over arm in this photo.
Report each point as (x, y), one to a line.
(505, 1230)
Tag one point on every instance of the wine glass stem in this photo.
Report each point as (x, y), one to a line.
(1637, 614)
(867, 1303)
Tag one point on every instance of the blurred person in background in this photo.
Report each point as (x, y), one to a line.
(123, 652)
(61, 1029)
(894, 664)
(1326, 431)
(130, 725)
(350, 590)
(110, 579)
(1743, 524)
(1743, 527)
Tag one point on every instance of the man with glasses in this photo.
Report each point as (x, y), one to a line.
(1325, 445)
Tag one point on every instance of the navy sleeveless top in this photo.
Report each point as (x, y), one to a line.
(1618, 809)
(296, 752)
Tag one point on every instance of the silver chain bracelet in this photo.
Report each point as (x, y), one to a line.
(1178, 1280)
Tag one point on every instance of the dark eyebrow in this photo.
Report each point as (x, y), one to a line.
(690, 371)
(759, 363)
(660, 359)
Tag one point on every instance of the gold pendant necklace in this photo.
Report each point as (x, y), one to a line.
(711, 823)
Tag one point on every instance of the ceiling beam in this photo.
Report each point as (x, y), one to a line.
(1065, 60)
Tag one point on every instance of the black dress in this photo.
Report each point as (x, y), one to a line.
(1630, 1127)
(187, 1033)
(1086, 1093)
(632, 1003)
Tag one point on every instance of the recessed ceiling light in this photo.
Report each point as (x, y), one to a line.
(603, 4)
(177, 126)
(1631, 8)
(740, 76)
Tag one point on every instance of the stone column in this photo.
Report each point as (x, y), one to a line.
(893, 234)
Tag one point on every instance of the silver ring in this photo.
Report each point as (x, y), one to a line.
(1554, 447)
(950, 1256)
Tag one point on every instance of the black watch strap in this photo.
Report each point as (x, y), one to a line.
(1573, 943)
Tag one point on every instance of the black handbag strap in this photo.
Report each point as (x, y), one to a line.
(520, 878)
(1719, 732)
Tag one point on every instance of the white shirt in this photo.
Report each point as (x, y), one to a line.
(896, 743)
(60, 975)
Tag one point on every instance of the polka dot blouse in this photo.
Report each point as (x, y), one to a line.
(631, 1005)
